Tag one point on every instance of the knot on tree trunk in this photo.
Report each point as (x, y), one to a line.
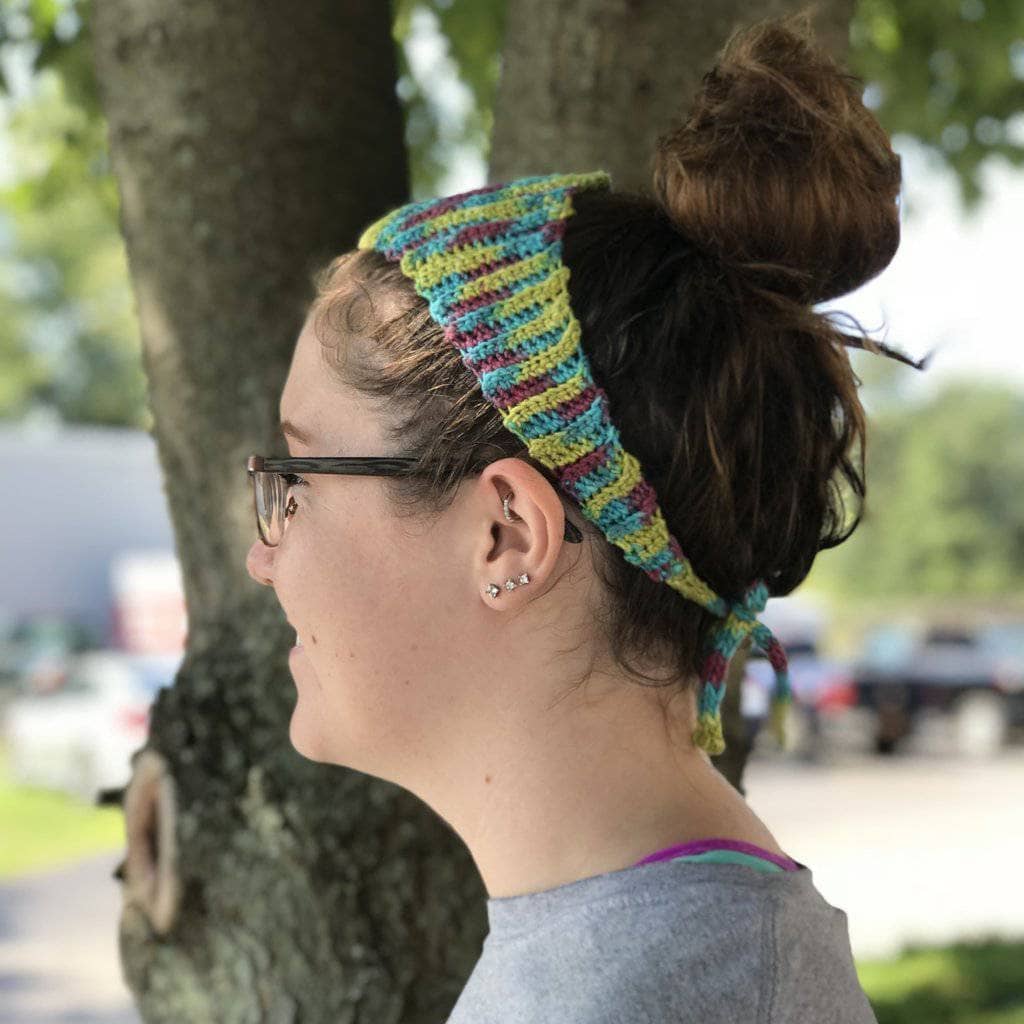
(150, 868)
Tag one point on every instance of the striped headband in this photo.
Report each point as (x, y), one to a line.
(489, 264)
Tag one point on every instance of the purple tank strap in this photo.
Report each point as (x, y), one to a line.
(703, 845)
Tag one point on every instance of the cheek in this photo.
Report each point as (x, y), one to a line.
(382, 672)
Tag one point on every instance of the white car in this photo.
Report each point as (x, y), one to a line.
(77, 729)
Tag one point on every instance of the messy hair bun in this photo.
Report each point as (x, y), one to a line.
(781, 169)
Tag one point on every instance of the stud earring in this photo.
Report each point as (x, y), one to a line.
(493, 590)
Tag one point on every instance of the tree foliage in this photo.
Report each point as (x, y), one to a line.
(948, 72)
(69, 339)
(943, 515)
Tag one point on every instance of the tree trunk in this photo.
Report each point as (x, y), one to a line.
(251, 142)
(588, 84)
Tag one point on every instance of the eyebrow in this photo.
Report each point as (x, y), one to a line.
(290, 430)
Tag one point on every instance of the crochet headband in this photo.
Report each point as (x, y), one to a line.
(489, 264)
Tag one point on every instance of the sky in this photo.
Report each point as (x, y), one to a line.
(951, 286)
(952, 282)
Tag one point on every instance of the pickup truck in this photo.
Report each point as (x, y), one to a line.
(971, 676)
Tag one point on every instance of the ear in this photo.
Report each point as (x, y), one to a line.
(530, 543)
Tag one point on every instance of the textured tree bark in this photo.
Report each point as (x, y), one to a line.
(250, 143)
(588, 84)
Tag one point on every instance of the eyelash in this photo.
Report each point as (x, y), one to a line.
(294, 481)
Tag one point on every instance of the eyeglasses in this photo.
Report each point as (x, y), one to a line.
(273, 479)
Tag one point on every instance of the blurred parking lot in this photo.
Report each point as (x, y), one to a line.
(916, 846)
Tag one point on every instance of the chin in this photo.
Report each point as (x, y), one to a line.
(304, 734)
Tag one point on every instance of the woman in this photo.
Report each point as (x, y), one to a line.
(588, 434)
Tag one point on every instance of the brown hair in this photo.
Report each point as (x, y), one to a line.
(737, 397)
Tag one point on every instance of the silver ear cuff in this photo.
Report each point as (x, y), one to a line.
(493, 590)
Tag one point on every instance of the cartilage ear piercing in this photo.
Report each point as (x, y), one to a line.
(493, 590)
(508, 512)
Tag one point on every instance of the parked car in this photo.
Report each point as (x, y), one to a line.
(971, 677)
(38, 646)
(78, 735)
(823, 696)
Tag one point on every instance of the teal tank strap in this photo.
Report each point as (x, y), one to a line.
(730, 857)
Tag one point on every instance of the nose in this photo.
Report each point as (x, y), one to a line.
(259, 563)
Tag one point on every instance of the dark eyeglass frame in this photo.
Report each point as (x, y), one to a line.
(350, 465)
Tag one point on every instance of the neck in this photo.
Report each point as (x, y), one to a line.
(586, 787)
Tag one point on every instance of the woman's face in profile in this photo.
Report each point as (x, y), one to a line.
(378, 603)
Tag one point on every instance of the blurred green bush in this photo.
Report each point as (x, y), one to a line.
(972, 982)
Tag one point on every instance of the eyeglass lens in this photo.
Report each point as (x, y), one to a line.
(271, 495)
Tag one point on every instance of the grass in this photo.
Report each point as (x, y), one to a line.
(970, 982)
(40, 829)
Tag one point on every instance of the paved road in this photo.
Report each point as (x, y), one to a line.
(914, 846)
(58, 947)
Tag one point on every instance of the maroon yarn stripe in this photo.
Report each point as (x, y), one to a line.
(714, 667)
(446, 204)
(553, 230)
(642, 498)
(478, 301)
(504, 358)
(572, 473)
(478, 233)
(463, 340)
(526, 389)
(569, 409)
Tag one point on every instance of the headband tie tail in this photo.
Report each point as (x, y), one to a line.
(782, 697)
(724, 644)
